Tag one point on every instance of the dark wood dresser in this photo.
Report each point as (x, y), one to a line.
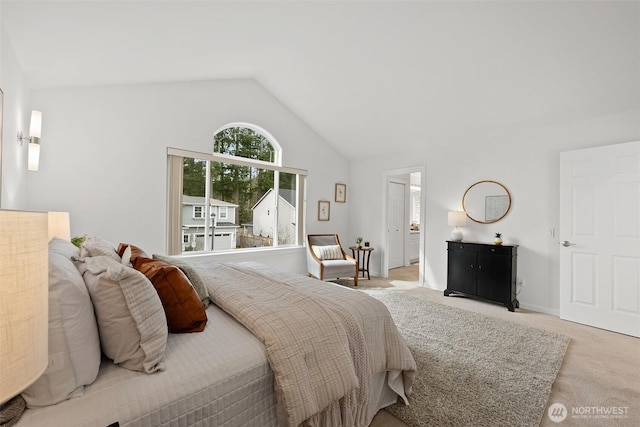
(484, 271)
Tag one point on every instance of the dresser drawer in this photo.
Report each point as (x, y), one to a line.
(496, 249)
(461, 246)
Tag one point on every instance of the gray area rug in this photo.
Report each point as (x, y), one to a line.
(473, 370)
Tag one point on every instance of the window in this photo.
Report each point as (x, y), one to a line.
(253, 201)
(222, 212)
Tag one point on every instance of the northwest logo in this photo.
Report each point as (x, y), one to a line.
(557, 412)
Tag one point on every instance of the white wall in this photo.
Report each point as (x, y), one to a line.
(103, 155)
(525, 160)
(104, 150)
(16, 115)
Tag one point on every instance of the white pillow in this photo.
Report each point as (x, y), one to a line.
(126, 257)
(327, 252)
(64, 247)
(131, 321)
(74, 346)
(97, 246)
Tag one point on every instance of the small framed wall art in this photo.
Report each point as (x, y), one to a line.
(341, 193)
(324, 210)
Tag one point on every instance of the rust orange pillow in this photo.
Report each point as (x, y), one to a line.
(136, 252)
(182, 306)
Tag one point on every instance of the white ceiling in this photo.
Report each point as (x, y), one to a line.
(360, 73)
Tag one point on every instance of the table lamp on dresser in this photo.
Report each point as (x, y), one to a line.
(457, 219)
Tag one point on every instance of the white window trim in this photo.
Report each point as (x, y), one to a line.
(257, 129)
(241, 161)
(223, 158)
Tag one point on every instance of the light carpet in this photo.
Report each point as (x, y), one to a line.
(473, 370)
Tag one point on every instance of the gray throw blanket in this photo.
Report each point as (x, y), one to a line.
(323, 342)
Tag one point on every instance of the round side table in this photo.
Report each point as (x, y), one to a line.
(362, 254)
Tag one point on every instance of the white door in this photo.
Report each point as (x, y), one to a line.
(396, 224)
(600, 237)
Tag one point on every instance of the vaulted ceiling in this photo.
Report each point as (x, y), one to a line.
(392, 75)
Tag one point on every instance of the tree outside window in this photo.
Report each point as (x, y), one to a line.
(253, 202)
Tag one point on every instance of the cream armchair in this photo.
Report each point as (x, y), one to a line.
(327, 260)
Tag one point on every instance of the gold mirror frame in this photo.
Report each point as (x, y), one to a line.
(495, 203)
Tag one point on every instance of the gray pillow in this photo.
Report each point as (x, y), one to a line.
(131, 321)
(192, 275)
(74, 345)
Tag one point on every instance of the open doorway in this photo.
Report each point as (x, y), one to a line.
(403, 214)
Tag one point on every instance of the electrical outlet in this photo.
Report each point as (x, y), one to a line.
(551, 232)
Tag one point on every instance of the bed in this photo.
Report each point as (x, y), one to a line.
(277, 349)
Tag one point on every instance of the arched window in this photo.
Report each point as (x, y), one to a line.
(254, 201)
(248, 141)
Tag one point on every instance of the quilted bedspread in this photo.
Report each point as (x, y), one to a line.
(324, 342)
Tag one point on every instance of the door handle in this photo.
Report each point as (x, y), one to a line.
(567, 243)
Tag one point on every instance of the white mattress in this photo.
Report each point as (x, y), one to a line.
(216, 377)
(219, 377)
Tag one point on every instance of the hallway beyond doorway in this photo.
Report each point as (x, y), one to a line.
(406, 274)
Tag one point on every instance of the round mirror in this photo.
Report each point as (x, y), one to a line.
(486, 202)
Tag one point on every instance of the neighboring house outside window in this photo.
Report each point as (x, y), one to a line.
(263, 215)
(241, 179)
(222, 233)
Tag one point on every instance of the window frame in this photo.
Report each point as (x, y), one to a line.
(223, 212)
(174, 197)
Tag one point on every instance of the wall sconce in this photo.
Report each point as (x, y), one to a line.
(457, 219)
(35, 130)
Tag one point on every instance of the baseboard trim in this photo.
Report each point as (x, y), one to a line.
(540, 309)
(532, 307)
